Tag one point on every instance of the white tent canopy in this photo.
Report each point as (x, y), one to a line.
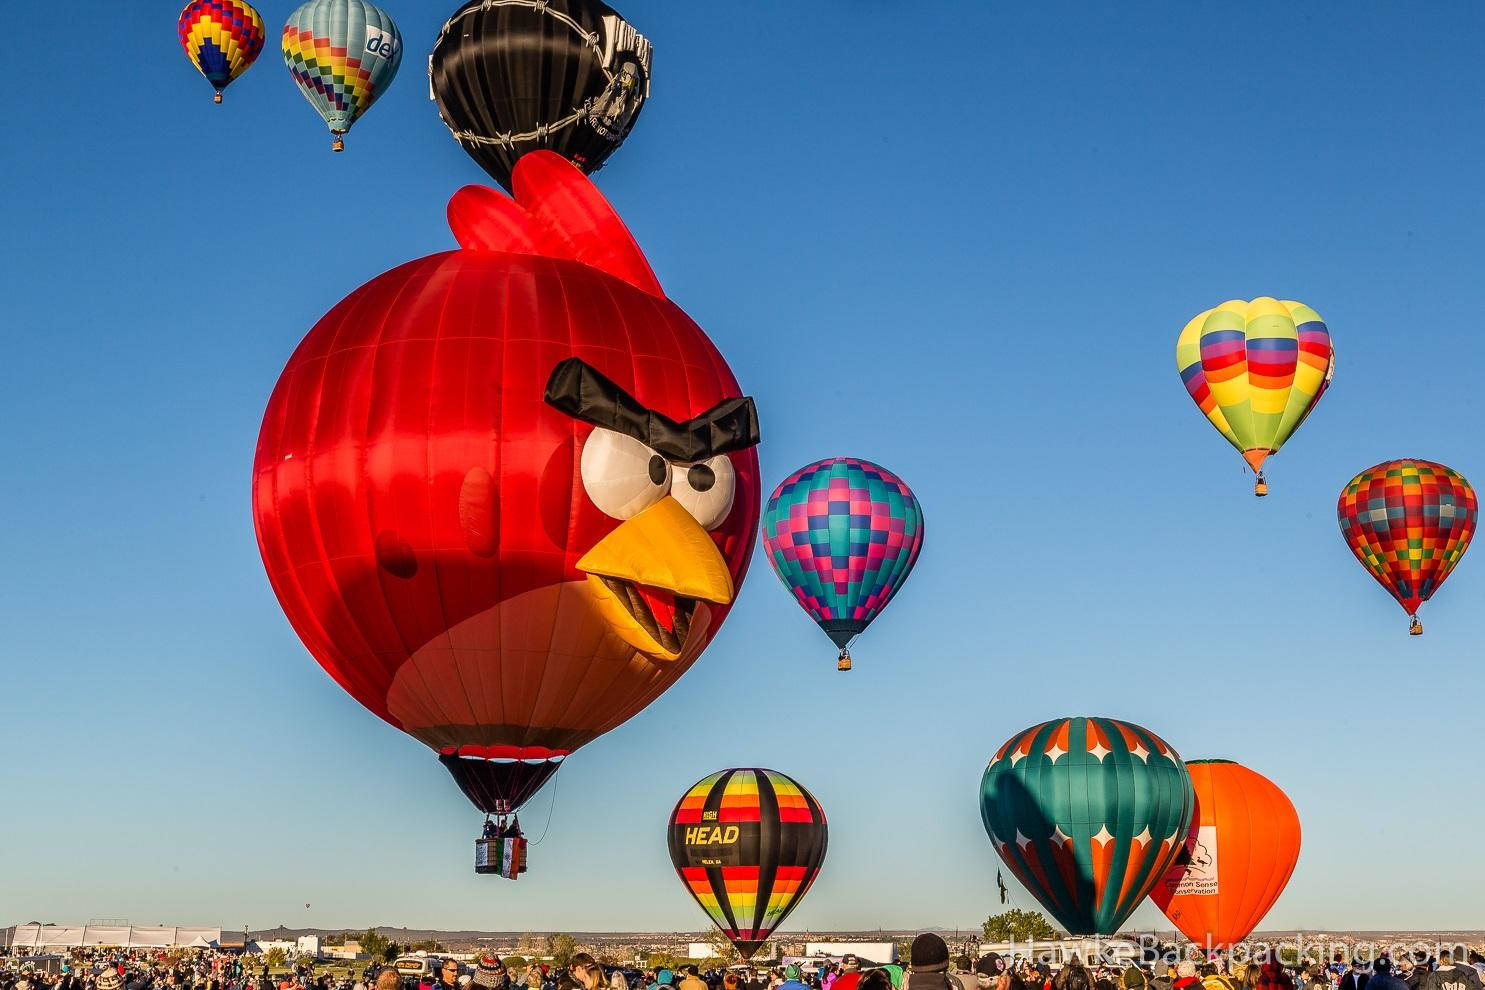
(125, 937)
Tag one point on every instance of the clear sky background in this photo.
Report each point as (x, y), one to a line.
(956, 238)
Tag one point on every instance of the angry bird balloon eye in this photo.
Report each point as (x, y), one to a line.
(622, 476)
(705, 490)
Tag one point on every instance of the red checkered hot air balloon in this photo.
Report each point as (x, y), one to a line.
(1408, 522)
(506, 494)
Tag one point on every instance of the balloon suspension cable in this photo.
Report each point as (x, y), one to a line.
(1260, 486)
(552, 804)
(217, 98)
(843, 662)
(1416, 628)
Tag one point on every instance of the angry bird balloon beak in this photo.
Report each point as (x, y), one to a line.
(663, 547)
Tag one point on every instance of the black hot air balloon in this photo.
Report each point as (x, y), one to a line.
(517, 75)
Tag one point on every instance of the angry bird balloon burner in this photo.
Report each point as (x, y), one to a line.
(506, 494)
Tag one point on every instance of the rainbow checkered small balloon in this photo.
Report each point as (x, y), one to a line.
(1408, 522)
(843, 535)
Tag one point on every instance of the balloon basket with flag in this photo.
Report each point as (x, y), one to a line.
(501, 851)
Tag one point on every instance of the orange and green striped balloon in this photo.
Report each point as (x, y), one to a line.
(1256, 370)
(747, 843)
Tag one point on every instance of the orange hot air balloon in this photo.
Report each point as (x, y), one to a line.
(1239, 855)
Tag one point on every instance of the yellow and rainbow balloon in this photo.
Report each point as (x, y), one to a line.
(222, 38)
(1256, 370)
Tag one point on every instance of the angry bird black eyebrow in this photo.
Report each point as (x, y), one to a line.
(582, 392)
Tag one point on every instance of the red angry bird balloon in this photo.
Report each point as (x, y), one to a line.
(506, 494)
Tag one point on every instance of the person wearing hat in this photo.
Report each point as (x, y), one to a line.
(109, 979)
(1356, 977)
(1133, 978)
(490, 972)
(1383, 978)
(850, 973)
(990, 972)
(928, 965)
(1186, 976)
(793, 978)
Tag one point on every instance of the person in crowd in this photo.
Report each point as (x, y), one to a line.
(928, 965)
(1073, 975)
(1356, 977)
(690, 979)
(1133, 978)
(875, 979)
(1382, 977)
(1273, 976)
(1449, 975)
(990, 973)
(618, 981)
(389, 979)
(1186, 976)
(850, 973)
(1212, 979)
(1422, 963)
(490, 972)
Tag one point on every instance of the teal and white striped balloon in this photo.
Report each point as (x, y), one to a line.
(343, 54)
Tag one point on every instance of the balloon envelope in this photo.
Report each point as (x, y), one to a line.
(342, 54)
(449, 531)
(1408, 522)
(843, 534)
(222, 38)
(747, 843)
(1088, 813)
(1256, 370)
(567, 75)
(1237, 858)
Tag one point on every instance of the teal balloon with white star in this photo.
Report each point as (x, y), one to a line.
(1089, 814)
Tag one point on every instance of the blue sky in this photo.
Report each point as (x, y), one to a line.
(955, 238)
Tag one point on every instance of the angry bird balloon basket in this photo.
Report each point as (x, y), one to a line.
(501, 850)
(506, 494)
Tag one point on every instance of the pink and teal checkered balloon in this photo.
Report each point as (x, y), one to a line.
(843, 535)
